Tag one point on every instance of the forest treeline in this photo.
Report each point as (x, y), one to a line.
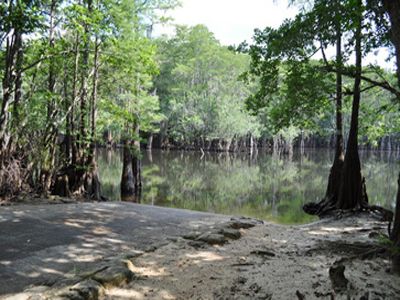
(77, 74)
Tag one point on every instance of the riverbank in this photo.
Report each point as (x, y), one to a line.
(215, 257)
(269, 262)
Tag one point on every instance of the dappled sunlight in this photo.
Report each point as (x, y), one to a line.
(53, 242)
(150, 270)
(51, 271)
(204, 256)
(143, 293)
(125, 293)
(323, 230)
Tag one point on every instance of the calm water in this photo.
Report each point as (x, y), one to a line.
(266, 186)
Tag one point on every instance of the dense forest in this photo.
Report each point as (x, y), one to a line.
(81, 74)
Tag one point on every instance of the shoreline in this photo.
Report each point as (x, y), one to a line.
(250, 260)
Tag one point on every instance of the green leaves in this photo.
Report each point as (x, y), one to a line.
(199, 88)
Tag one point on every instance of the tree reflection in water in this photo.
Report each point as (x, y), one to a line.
(264, 186)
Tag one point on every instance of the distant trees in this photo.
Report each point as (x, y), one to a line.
(200, 94)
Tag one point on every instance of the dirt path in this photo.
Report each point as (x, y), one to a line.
(268, 262)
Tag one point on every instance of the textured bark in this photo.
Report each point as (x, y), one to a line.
(84, 89)
(9, 78)
(352, 192)
(92, 185)
(18, 78)
(346, 187)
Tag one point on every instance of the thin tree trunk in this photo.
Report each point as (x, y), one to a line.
(8, 85)
(336, 170)
(84, 90)
(136, 164)
(395, 235)
(50, 136)
(149, 142)
(74, 148)
(93, 182)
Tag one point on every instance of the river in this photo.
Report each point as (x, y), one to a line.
(263, 186)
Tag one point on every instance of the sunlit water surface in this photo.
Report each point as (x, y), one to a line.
(264, 186)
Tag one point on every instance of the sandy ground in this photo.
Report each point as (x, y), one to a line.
(269, 261)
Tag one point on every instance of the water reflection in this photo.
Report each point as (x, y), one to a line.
(262, 186)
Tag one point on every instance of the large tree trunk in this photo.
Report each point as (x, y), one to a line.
(352, 194)
(127, 178)
(346, 188)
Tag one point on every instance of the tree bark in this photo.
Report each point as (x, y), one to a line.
(352, 194)
(395, 234)
(336, 170)
(84, 89)
(393, 9)
(127, 178)
(93, 182)
(8, 86)
(136, 164)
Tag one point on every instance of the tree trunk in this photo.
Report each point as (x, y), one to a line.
(84, 89)
(393, 9)
(352, 193)
(50, 135)
(395, 234)
(136, 164)
(93, 182)
(332, 191)
(149, 145)
(73, 137)
(346, 187)
(8, 86)
(127, 178)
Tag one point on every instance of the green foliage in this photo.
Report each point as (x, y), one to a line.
(199, 90)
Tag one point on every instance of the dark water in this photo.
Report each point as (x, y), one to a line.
(264, 186)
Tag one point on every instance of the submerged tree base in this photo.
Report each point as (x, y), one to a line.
(73, 181)
(324, 209)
